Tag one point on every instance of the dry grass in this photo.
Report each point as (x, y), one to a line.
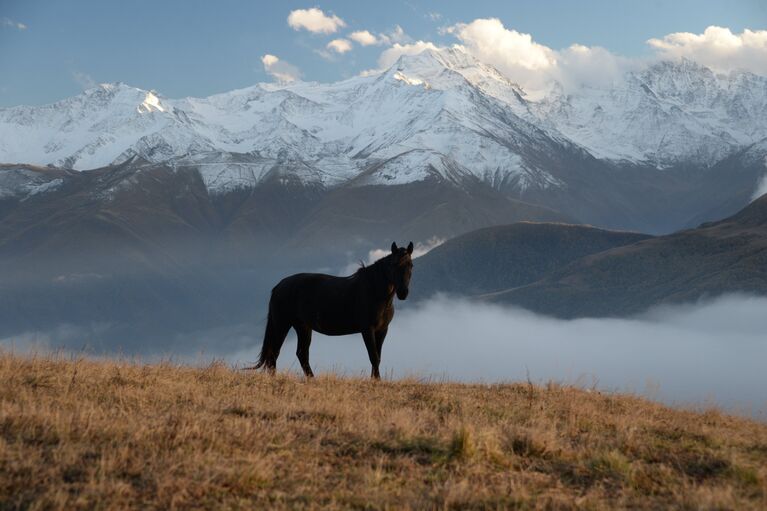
(107, 434)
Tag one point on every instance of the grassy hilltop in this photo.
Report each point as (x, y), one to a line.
(110, 434)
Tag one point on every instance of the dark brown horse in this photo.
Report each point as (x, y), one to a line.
(361, 303)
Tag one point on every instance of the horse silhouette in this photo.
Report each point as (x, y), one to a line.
(360, 303)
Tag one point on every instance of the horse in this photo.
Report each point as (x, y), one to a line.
(360, 303)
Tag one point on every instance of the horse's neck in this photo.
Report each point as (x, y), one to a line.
(382, 289)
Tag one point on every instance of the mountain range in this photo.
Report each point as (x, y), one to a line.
(649, 152)
(121, 206)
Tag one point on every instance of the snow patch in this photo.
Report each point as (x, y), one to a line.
(151, 103)
(410, 81)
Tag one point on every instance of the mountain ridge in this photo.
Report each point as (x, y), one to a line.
(692, 113)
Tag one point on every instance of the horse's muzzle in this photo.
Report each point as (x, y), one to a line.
(402, 293)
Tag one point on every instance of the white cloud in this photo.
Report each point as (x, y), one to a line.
(513, 53)
(363, 37)
(533, 65)
(339, 45)
(761, 186)
(590, 64)
(279, 69)
(390, 55)
(394, 36)
(420, 249)
(84, 79)
(314, 20)
(717, 48)
(434, 16)
(8, 22)
(397, 35)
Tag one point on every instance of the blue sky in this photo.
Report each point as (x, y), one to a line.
(52, 49)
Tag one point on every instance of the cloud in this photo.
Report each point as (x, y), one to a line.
(315, 21)
(434, 16)
(390, 55)
(761, 187)
(514, 53)
(339, 45)
(364, 38)
(394, 36)
(697, 353)
(84, 79)
(8, 22)
(594, 65)
(397, 35)
(718, 48)
(279, 69)
(419, 249)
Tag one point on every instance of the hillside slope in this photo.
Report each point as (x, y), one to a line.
(728, 256)
(79, 434)
(497, 258)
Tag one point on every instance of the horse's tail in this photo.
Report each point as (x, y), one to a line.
(273, 339)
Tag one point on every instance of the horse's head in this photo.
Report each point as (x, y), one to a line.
(400, 269)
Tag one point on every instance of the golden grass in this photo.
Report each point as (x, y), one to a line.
(109, 434)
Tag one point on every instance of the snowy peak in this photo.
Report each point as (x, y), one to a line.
(437, 113)
(151, 103)
(670, 113)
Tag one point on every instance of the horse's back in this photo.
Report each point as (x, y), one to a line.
(311, 289)
(324, 302)
(302, 282)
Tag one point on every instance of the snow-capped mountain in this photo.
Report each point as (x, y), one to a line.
(440, 113)
(667, 114)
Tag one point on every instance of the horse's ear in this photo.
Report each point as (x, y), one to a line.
(410, 248)
(393, 246)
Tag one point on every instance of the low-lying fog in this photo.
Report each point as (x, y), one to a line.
(710, 353)
(713, 352)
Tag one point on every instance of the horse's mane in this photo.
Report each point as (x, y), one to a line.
(371, 267)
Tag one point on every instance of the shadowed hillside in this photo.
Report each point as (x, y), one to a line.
(79, 434)
(497, 258)
(729, 256)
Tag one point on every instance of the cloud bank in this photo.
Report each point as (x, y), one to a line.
(532, 64)
(279, 69)
(697, 354)
(718, 48)
(315, 21)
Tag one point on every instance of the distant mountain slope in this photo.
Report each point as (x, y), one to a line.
(497, 258)
(350, 217)
(728, 256)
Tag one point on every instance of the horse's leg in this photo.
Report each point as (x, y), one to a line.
(370, 343)
(380, 336)
(304, 334)
(276, 331)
